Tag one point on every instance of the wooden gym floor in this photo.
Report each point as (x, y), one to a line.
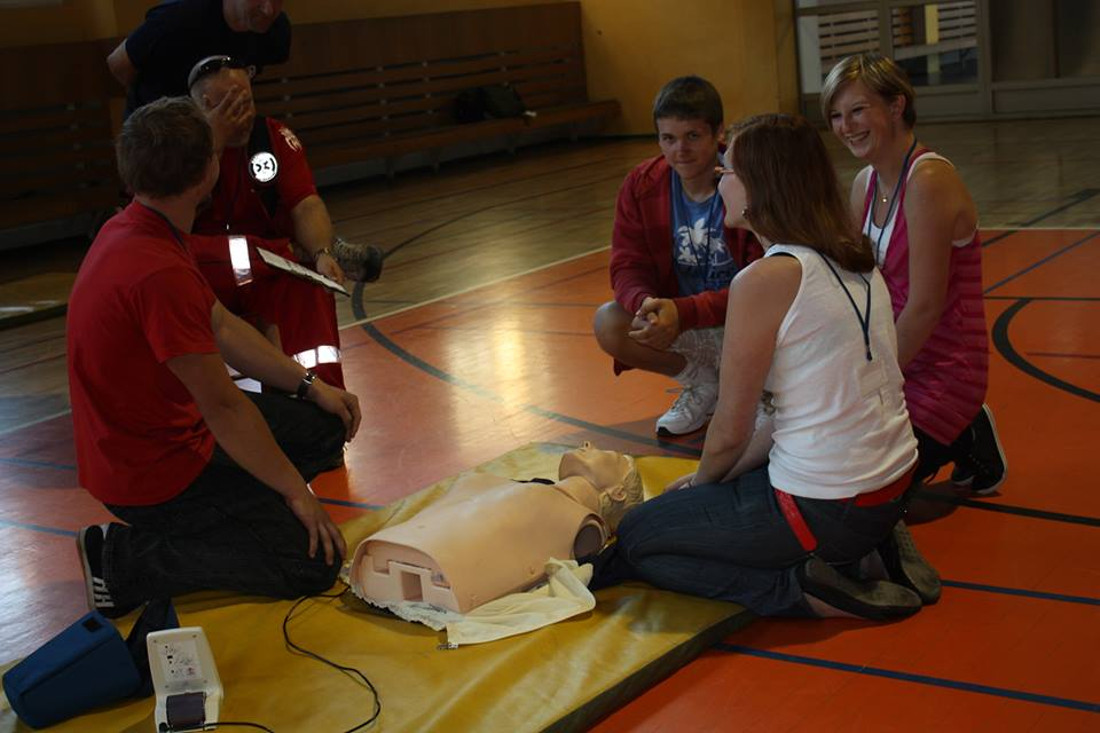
(477, 340)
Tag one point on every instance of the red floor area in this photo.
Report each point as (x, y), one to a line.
(1011, 646)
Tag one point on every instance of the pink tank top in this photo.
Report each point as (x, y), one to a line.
(945, 382)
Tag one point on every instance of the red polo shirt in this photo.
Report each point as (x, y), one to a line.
(139, 300)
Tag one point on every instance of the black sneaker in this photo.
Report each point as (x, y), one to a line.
(360, 262)
(90, 543)
(984, 469)
(877, 600)
(906, 566)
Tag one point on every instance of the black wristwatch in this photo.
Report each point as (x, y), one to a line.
(305, 384)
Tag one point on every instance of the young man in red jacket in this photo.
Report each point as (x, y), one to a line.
(672, 258)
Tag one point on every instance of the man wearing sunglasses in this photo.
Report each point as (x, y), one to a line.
(266, 190)
(153, 61)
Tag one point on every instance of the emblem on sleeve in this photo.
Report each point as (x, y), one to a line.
(291, 139)
(263, 167)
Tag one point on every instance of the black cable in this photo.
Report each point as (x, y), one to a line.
(346, 670)
(220, 723)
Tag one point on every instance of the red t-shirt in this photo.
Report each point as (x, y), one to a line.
(236, 206)
(139, 300)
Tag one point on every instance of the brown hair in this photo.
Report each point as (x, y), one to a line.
(792, 189)
(164, 148)
(689, 98)
(879, 74)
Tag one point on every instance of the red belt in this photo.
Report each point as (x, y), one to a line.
(802, 530)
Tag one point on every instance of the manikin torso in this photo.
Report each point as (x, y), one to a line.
(490, 536)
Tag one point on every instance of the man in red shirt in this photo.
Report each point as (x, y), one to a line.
(266, 190)
(210, 481)
(672, 258)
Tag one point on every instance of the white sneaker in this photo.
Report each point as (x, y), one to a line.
(691, 409)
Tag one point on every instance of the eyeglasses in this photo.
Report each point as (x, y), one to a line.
(214, 64)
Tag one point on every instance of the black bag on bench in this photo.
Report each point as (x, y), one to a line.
(494, 102)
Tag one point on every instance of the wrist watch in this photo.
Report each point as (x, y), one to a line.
(305, 384)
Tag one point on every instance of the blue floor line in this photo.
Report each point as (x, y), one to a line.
(1089, 707)
(37, 528)
(1037, 594)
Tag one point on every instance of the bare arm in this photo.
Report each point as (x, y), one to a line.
(241, 431)
(246, 350)
(313, 232)
(120, 65)
(759, 300)
(858, 196)
(936, 206)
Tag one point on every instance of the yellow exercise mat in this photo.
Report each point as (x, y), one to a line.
(564, 676)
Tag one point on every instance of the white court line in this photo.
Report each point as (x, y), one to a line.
(472, 288)
(360, 322)
(34, 422)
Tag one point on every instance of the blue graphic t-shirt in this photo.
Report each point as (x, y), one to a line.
(699, 254)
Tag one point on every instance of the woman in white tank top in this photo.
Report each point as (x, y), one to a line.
(809, 327)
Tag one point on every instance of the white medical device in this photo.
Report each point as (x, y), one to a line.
(188, 689)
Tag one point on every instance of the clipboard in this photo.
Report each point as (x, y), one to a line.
(282, 263)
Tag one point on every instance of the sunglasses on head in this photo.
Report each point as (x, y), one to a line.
(214, 64)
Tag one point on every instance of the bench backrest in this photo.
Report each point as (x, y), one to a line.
(56, 154)
(354, 82)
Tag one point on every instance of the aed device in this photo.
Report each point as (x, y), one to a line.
(188, 689)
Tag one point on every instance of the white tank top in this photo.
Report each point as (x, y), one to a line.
(841, 427)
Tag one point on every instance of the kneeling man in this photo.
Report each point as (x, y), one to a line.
(210, 482)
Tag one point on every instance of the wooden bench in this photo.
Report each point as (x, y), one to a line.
(383, 88)
(57, 158)
(354, 91)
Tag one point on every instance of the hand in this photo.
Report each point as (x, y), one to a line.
(343, 404)
(686, 481)
(326, 265)
(656, 324)
(319, 525)
(229, 117)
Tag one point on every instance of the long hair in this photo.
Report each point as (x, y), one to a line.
(792, 189)
(879, 74)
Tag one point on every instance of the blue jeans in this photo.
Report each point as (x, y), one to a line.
(731, 542)
(227, 530)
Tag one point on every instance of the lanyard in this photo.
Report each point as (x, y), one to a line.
(893, 201)
(171, 226)
(863, 318)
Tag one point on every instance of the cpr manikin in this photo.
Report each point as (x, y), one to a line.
(491, 536)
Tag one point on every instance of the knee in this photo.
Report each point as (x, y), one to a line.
(610, 326)
(311, 576)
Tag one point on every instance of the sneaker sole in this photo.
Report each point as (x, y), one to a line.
(89, 596)
(876, 600)
(908, 567)
(1000, 452)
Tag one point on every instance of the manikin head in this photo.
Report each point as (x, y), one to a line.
(687, 115)
(256, 16)
(165, 150)
(211, 79)
(613, 476)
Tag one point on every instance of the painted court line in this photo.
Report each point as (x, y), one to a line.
(364, 319)
(1063, 702)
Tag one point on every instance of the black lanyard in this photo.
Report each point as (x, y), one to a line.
(893, 201)
(171, 226)
(863, 318)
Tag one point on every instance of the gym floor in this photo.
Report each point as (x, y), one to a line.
(477, 340)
